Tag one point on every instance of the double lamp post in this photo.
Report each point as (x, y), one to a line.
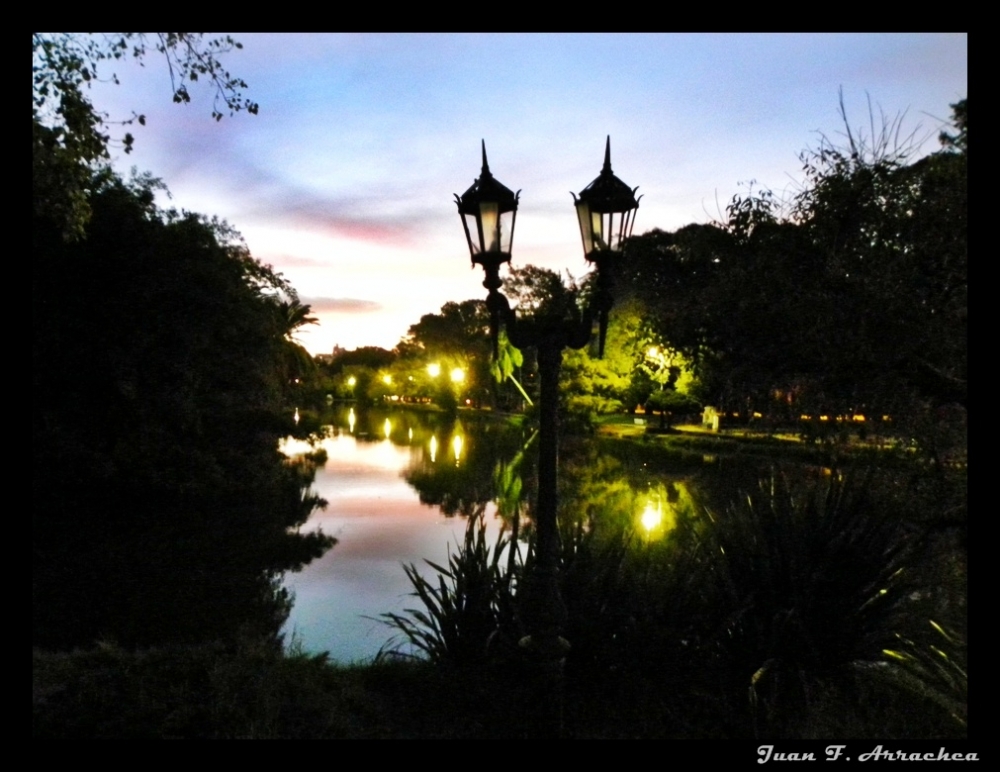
(606, 211)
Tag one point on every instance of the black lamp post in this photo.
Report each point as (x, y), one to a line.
(488, 210)
(606, 210)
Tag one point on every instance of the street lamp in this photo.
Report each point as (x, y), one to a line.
(606, 213)
(488, 210)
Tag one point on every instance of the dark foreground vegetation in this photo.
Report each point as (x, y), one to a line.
(809, 613)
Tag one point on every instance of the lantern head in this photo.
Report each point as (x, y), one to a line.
(488, 210)
(606, 211)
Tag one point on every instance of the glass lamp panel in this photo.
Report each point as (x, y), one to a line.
(489, 212)
(597, 224)
(472, 233)
(614, 233)
(583, 214)
(506, 231)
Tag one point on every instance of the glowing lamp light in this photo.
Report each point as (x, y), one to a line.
(352, 381)
(434, 448)
(651, 516)
(434, 370)
(456, 445)
(488, 210)
(606, 211)
(387, 380)
(387, 428)
(457, 375)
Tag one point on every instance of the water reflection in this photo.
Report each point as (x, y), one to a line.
(396, 480)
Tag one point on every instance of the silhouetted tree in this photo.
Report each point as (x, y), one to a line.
(163, 510)
(853, 295)
(70, 135)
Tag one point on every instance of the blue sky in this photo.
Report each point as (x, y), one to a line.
(344, 182)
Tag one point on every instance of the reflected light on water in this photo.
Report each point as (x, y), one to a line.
(293, 447)
(351, 419)
(388, 428)
(434, 448)
(456, 444)
(651, 516)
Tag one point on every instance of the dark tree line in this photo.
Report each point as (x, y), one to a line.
(163, 510)
(850, 296)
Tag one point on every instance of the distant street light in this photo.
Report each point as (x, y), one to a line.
(457, 375)
(434, 370)
(606, 214)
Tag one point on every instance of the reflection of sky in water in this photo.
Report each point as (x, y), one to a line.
(379, 523)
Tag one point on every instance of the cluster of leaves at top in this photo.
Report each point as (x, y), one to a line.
(70, 135)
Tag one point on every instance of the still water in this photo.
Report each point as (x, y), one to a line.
(380, 523)
(401, 484)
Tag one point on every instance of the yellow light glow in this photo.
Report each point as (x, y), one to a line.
(824, 418)
(296, 416)
(456, 445)
(388, 428)
(651, 517)
(351, 381)
(434, 448)
(653, 352)
(859, 418)
(457, 375)
(409, 434)
(387, 380)
(350, 420)
(434, 370)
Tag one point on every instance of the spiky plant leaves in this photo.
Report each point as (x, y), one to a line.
(814, 589)
(464, 606)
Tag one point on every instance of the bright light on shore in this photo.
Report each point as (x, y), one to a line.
(458, 375)
(434, 370)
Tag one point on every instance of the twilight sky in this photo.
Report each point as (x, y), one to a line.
(344, 182)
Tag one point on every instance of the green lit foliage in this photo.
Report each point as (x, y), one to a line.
(70, 136)
(456, 337)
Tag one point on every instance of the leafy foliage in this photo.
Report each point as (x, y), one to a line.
(802, 612)
(70, 135)
(471, 600)
(163, 508)
(850, 296)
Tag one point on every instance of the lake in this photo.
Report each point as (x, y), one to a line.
(400, 485)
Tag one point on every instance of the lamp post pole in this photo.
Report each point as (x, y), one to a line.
(606, 210)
